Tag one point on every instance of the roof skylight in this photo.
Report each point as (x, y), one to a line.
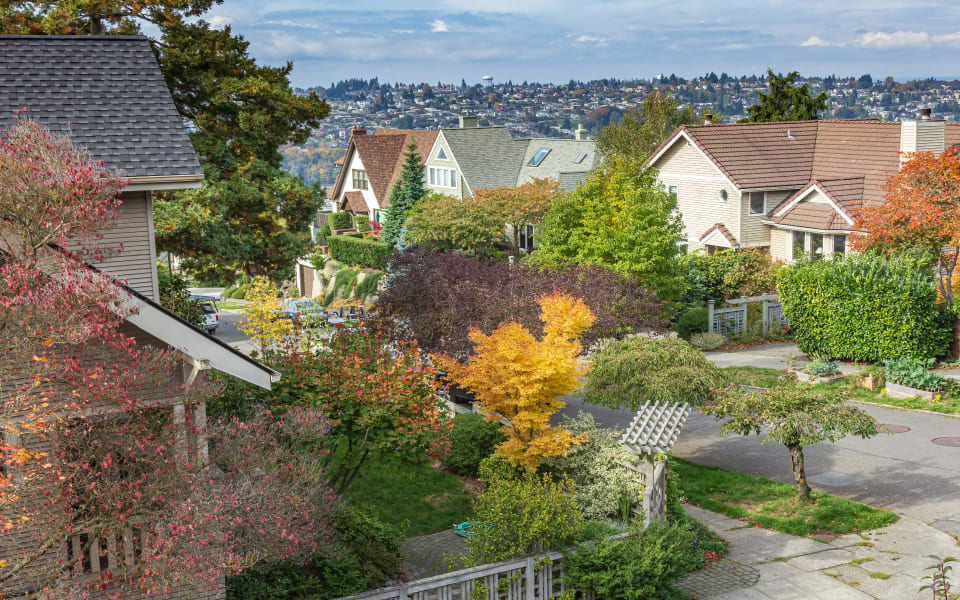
(579, 158)
(538, 157)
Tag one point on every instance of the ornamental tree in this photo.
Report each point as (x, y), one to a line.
(406, 192)
(622, 218)
(516, 207)
(261, 321)
(441, 223)
(794, 414)
(521, 379)
(101, 442)
(921, 211)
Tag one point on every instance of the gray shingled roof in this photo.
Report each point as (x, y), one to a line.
(558, 164)
(107, 93)
(488, 156)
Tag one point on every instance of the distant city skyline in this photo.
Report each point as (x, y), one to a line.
(559, 40)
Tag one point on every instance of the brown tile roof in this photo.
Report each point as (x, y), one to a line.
(846, 193)
(354, 202)
(723, 231)
(424, 139)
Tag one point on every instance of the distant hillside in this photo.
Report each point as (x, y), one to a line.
(313, 162)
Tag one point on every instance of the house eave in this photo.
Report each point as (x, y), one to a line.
(164, 182)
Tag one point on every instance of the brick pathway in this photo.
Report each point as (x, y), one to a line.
(432, 554)
(723, 576)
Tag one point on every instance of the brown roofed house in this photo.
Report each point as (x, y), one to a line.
(788, 188)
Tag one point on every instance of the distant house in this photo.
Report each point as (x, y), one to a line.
(371, 165)
(108, 95)
(787, 188)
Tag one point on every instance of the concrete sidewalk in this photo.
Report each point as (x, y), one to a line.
(886, 564)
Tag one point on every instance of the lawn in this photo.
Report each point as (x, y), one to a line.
(231, 306)
(756, 376)
(774, 505)
(426, 499)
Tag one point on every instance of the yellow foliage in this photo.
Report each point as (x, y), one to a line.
(518, 377)
(260, 321)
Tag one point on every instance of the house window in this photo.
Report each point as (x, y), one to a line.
(579, 158)
(757, 203)
(440, 177)
(839, 244)
(360, 179)
(441, 155)
(674, 191)
(526, 238)
(723, 195)
(816, 246)
(799, 239)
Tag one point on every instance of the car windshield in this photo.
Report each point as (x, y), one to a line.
(208, 308)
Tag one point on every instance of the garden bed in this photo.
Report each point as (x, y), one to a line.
(895, 390)
(774, 505)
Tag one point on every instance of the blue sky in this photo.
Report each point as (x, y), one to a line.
(556, 40)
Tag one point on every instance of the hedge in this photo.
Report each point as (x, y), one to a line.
(341, 220)
(359, 252)
(865, 307)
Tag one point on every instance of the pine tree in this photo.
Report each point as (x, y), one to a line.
(407, 191)
(785, 101)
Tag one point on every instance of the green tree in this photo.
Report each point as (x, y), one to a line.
(638, 133)
(406, 192)
(622, 218)
(794, 414)
(250, 215)
(786, 101)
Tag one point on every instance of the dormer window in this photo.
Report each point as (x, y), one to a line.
(441, 155)
(360, 181)
(538, 157)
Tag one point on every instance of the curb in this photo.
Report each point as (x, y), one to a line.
(905, 409)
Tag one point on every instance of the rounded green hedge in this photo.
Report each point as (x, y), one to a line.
(865, 307)
(340, 220)
(472, 439)
(360, 252)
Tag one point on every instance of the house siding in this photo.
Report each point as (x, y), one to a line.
(461, 190)
(369, 197)
(133, 256)
(753, 232)
(698, 192)
(780, 240)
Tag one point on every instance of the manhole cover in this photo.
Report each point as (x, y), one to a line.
(953, 442)
(896, 428)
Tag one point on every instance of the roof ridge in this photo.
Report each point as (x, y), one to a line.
(876, 120)
(41, 37)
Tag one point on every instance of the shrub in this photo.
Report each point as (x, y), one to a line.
(227, 293)
(605, 488)
(865, 307)
(646, 565)
(823, 368)
(691, 321)
(913, 373)
(359, 252)
(709, 340)
(728, 274)
(326, 231)
(368, 286)
(340, 220)
(361, 223)
(472, 439)
(521, 514)
(342, 285)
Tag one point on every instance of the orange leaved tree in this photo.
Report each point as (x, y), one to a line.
(519, 206)
(520, 379)
(921, 211)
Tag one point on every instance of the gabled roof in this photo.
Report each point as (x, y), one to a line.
(560, 162)
(844, 197)
(488, 157)
(721, 230)
(108, 95)
(354, 202)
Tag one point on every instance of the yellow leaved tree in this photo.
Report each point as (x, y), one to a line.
(521, 379)
(260, 320)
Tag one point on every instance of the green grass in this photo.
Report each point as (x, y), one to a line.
(878, 575)
(774, 505)
(757, 376)
(231, 305)
(426, 499)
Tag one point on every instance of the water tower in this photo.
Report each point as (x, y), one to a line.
(487, 80)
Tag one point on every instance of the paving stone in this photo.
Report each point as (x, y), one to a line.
(714, 521)
(821, 560)
(723, 576)
(754, 545)
(774, 571)
(432, 554)
(899, 587)
(909, 536)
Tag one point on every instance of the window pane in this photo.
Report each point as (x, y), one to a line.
(839, 244)
(756, 203)
(673, 190)
(816, 245)
(446, 177)
(798, 238)
(433, 176)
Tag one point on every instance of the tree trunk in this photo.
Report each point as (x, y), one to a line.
(799, 474)
(516, 240)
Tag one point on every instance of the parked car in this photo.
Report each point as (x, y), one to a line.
(211, 316)
(303, 312)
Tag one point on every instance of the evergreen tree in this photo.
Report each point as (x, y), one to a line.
(785, 101)
(406, 191)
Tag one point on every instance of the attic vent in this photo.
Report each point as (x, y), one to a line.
(538, 157)
(441, 155)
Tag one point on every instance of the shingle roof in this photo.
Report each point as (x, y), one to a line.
(424, 139)
(722, 230)
(354, 202)
(488, 156)
(846, 193)
(559, 163)
(107, 93)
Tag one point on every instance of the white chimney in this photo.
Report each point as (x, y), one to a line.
(923, 135)
(580, 134)
(708, 118)
(467, 121)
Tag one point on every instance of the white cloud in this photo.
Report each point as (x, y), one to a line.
(816, 42)
(948, 39)
(591, 39)
(736, 46)
(439, 26)
(894, 39)
(218, 22)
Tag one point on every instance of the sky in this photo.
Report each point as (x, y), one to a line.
(559, 40)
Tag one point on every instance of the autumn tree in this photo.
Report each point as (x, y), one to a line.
(640, 132)
(101, 442)
(407, 190)
(786, 101)
(513, 208)
(250, 215)
(622, 218)
(794, 414)
(519, 378)
(262, 322)
(921, 211)
(441, 223)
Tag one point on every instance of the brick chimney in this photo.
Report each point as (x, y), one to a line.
(468, 121)
(923, 135)
(580, 134)
(358, 130)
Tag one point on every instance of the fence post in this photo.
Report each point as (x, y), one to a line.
(530, 593)
(403, 592)
(743, 306)
(765, 317)
(710, 306)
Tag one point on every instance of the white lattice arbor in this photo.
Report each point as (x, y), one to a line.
(653, 431)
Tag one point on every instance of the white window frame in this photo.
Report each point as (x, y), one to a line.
(750, 212)
(444, 153)
(723, 195)
(443, 177)
(674, 190)
(363, 178)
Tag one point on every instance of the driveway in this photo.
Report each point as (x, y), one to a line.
(903, 472)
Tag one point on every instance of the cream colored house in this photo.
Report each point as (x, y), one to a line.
(787, 188)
